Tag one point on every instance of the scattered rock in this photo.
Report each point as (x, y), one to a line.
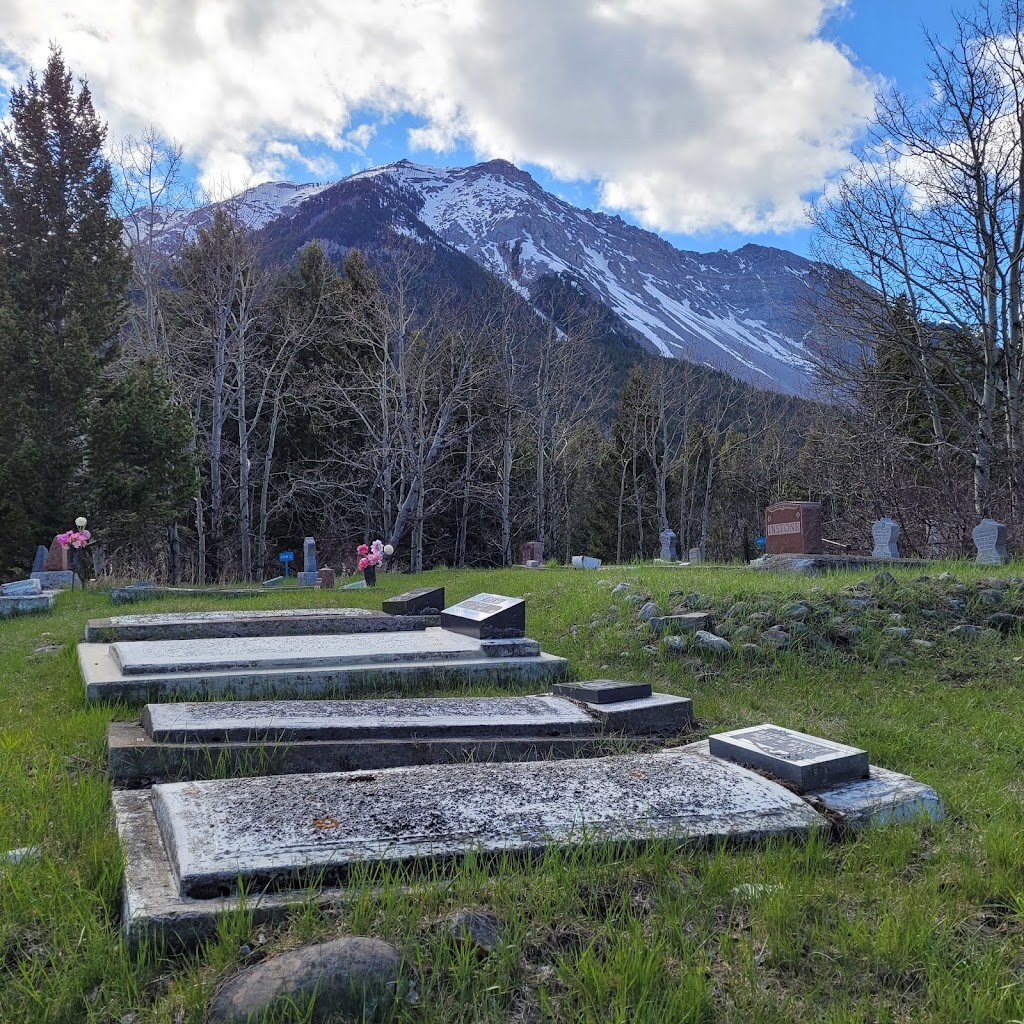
(776, 636)
(992, 583)
(709, 642)
(760, 618)
(751, 652)
(947, 577)
(896, 633)
(1005, 622)
(956, 606)
(620, 588)
(797, 611)
(647, 612)
(847, 636)
(884, 579)
(474, 929)
(895, 616)
(965, 631)
(991, 597)
(356, 976)
(892, 660)
(677, 644)
(636, 598)
(925, 645)
(923, 578)
(859, 604)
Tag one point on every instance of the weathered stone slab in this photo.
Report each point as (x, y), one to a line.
(55, 580)
(151, 657)
(11, 606)
(259, 668)
(990, 539)
(149, 592)
(416, 602)
(603, 691)
(204, 740)
(883, 798)
(685, 622)
(809, 762)
(288, 622)
(21, 588)
(357, 719)
(487, 616)
(282, 832)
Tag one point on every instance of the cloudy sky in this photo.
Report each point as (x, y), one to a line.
(713, 122)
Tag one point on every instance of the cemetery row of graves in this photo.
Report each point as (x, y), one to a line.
(278, 790)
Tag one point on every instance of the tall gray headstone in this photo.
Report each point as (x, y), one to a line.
(40, 560)
(668, 545)
(307, 578)
(990, 540)
(885, 533)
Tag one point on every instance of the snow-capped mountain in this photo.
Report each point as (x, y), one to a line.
(747, 312)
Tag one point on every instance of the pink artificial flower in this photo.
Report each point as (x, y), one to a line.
(64, 539)
(362, 550)
(377, 547)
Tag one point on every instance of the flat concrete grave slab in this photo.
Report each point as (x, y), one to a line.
(415, 602)
(306, 666)
(131, 594)
(282, 833)
(186, 741)
(26, 605)
(809, 762)
(487, 616)
(210, 625)
(150, 657)
(603, 691)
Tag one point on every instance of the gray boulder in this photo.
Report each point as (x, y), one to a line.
(706, 641)
(354, 975)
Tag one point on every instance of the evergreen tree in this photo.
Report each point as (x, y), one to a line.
(63, 277)
(143, 471)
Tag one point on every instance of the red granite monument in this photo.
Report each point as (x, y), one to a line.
(793, 528)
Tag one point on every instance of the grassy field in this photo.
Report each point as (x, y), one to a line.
(920, 922)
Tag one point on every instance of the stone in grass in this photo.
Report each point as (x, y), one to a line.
(620, 588)
(776, 636)
(896, 633)
(647, 612)
(1005, 622)
(475, 930)
(991, 597)
(751, 652)
(892, 660)
(797, 611)
(947, 577)
(965, 631)
(709, 642)
(355, 976)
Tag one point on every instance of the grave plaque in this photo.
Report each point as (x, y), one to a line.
(487, 617)
(990, 540)
(885, 533)
(416, 602)
(793, 528)
(694, 555)
(809, 762)
(326, 578)
(602, 691)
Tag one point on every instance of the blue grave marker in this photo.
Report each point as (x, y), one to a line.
(287, 557)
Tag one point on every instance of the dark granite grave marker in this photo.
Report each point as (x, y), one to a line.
(487, 617)
(40, 560)
(793, 528)
(603, 691)
(421, 601)
(809, 762)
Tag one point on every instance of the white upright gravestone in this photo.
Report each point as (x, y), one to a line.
(990, 540)
(885, 533)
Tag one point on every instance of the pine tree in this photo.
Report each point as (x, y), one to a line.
(63, 279)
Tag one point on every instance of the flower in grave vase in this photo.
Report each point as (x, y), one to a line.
(369, 558)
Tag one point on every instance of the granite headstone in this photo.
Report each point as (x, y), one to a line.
(885, 533)
(487, 617)
(990, 540)
(668, 545)
(421, 601)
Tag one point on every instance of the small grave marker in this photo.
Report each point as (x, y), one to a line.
(421, 601)
(603, 691)
(286, 558)
(668, 545)
(487, 617)
(809, 762)
(990, 540)
(885, 533)
(307, 578)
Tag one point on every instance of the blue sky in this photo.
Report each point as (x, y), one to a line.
(710, 121)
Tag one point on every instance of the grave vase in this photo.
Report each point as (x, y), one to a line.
(370, 575)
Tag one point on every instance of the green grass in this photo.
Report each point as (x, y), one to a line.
(920, 922)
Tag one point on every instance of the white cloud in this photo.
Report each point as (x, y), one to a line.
(691, 115)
